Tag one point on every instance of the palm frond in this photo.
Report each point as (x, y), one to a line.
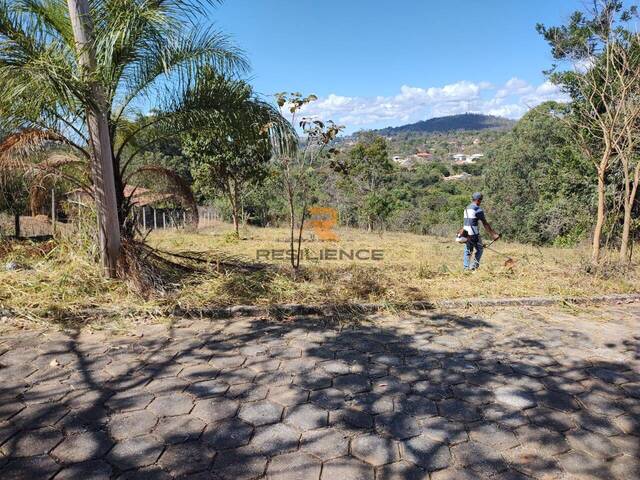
(142, 44)
(43, 174)
(36, 64)
(50, 15)
(214, 103)
(174, 185)
(18, 146)
(213, 98)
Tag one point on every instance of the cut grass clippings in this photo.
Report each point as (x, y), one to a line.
(61, 283)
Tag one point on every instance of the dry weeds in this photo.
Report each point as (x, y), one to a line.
(63, 283)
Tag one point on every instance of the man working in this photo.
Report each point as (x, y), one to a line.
(472, 215)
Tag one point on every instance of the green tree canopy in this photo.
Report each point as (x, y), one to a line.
(232, 154)
(538, 184)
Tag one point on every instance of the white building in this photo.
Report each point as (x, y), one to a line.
(461, 158)
(460, 176)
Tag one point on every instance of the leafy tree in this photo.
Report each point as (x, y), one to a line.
(602, 88)
(440, 206)
(296, 159)
(377, 206)
(264, 204)
(424, 176)
(538, 184)
(365, 170)
(232, 155)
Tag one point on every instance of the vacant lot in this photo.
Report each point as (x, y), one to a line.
(62, 279)
(413, 267)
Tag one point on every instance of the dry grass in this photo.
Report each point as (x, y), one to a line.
(62, 284)
(413, 268)
(29, 226)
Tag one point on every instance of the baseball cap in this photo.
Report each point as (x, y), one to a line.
(476, 196)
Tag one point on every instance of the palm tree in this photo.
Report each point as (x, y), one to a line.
(147, 55)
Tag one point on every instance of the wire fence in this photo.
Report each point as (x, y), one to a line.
(149, 218)
(146, 218)
(37, 226)
(208, 216)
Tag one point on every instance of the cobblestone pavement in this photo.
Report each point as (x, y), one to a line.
(512, 394)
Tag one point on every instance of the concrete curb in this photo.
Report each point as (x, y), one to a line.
(539, 301)
(284, 310)
(368, 308)
(359, 309)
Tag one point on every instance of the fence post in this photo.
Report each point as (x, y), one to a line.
(144, 218)
(155, 219)
(164, 219)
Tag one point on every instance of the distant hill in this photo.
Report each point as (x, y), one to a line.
(466, 121)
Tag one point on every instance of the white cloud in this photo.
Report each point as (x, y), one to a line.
(544, 93)
(584, 64)
(411, 103)
(456, 91)
(514, 86)
(511, 110)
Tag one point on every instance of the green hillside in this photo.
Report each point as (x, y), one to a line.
(466, 121)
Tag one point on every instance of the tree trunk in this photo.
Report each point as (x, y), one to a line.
(236, 209)
(292, 227)
(236, 223)
(300, 230)
(100, 139)
(16, 225)
(597, 232)
(233, 201)
(629, 200)
(242, 214)
(626, 229)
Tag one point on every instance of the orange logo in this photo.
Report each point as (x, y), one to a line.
(322, 220)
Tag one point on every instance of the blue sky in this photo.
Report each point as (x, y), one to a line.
(377, 63)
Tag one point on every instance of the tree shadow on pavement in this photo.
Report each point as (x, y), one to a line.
(430, 395)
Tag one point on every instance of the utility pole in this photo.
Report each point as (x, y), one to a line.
(100, 139)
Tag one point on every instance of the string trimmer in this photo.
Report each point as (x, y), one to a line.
(509, 262)
(462, 237)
